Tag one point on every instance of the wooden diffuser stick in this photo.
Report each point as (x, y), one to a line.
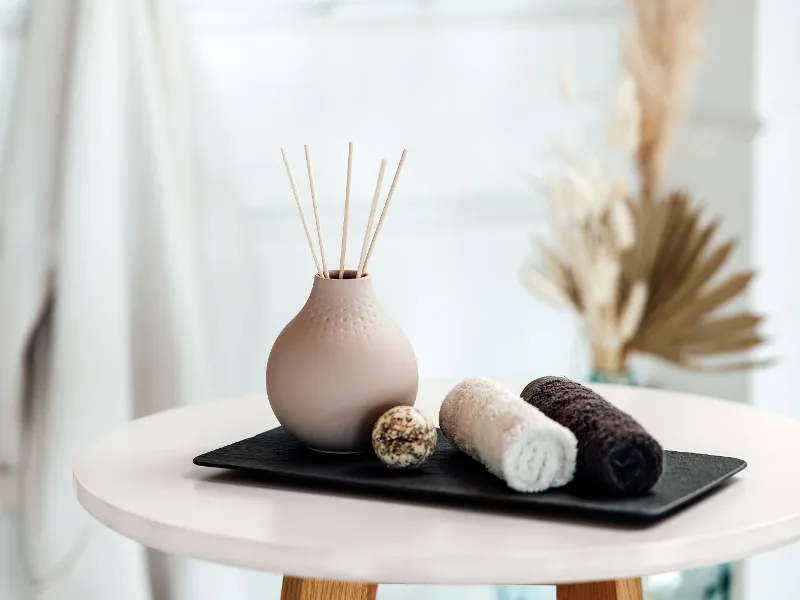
(385, 207)
(373, 208)
(317, 218)
(302, 213)
(346, 209)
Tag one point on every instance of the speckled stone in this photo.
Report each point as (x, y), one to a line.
(403, 438)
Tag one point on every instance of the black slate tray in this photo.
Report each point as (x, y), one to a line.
(451, 478)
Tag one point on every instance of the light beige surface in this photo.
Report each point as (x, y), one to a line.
(139, 480)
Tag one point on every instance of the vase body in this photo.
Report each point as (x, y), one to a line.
(338, 365)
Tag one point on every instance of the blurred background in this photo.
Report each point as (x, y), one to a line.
(150, 250)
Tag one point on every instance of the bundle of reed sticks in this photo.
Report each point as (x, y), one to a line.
(368, 244)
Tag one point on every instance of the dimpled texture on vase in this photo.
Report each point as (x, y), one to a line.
(338, 365)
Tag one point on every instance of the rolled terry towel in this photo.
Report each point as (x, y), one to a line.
(615, 453)
(512, 439)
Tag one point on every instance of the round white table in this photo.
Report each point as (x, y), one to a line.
(140, 481)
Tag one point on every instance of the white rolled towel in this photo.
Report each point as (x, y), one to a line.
(514, 440)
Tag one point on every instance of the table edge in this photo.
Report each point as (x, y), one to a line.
(453, 570)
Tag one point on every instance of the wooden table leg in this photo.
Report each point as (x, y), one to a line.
(619, 589)
(300, 588)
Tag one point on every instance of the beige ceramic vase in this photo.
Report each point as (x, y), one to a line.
(338, 365)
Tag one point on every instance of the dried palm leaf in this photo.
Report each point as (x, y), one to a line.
(709, 301)
(674, 228)
(700, 241)
(723, 326)
(744, 365)
(668, 297)
(680, 321)
(723, 345)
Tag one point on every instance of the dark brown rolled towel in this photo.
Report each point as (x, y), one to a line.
(615, 453)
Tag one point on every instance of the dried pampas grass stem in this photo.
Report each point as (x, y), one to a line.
(660, 52)
(302, 212)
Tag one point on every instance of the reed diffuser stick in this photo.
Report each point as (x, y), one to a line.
(346, 209)
(372, 210)
(385, 207)
(302, 212)
(317, 218)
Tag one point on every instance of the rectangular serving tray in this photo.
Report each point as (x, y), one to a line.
(452, 478)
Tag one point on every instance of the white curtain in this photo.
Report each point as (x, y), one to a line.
(101, 317)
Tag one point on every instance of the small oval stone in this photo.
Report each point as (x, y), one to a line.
(403, 438)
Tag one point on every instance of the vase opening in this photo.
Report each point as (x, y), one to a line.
(348, 274)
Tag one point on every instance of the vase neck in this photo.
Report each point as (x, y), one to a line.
(335, 289)
(624, 377)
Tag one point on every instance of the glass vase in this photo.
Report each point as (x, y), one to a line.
(619, 377)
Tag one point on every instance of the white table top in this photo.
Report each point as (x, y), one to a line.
(140, 481)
